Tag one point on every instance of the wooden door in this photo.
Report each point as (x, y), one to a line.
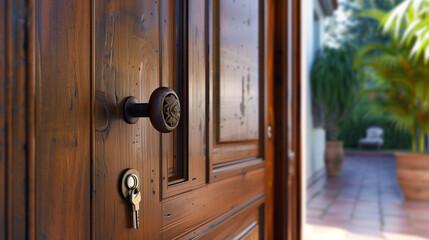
(67, 67)
(287, 44)
(206, 179)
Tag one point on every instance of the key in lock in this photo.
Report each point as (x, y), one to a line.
(131, 192)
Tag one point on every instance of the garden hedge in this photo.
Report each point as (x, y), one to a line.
(355, 128)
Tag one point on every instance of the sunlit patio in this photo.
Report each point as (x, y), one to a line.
(365, 202)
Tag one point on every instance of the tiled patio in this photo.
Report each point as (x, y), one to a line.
(365, 202)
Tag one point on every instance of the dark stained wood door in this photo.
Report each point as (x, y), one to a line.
(66, 68)
(206, 179)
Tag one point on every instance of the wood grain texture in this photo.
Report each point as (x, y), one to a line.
(248, 59)
(65, 67)
(14, 120)
(31, 118)
(63, 119)
(252, 234)
(127, 58)
(282, 123)
(227, 170)
(19, 124)
(3, 138)
(195, 52)
(298, 204)
(234, 224)
(93, 122)
(269, 150)
(225, 153)
(168, 11)
(184, 212)
(9, 44)
(197, 95)
(287, 176)
(238, 97)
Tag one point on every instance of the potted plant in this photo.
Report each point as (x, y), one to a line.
(334, 85)
(401, 84)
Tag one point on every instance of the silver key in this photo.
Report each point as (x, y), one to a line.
(135, 198)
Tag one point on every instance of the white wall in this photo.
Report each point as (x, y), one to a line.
(314, 138)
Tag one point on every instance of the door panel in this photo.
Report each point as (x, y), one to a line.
(195, 179)
(241, 224)
(63, 118)
(236, 87)
(238, 83)
(191, 209)
(185, 148)
(70, 65)
(126, 59)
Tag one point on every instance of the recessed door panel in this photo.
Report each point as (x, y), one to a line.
(237, 85)
(239, 70)
(207, 172)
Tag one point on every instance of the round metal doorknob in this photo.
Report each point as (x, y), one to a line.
(163, 109)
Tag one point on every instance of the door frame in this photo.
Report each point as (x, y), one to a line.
(283, 169)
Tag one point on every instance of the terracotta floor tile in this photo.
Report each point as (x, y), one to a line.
(328, 195)
(345, 200)
(366, 223)
(396, 221)
(399, 229)
(393, 212)
(421, 225)
(318, 204)
(346, 210)
(316, 213)
(416, 205)
(373, 198)
(365, 203)
(390, 201)
(417, 215)
(363, 214)
(323, 199)
(342, 204)
(337, 216)
(367, 208)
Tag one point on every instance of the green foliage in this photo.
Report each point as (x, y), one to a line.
(331, 77)
(345, 30)
(347, 27)
(355, 128)
(334, 85)
(399, 82)
(409, 22)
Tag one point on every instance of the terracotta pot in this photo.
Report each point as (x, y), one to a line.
(334, 156)
(413, 175)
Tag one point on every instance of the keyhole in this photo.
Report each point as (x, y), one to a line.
(132, 181)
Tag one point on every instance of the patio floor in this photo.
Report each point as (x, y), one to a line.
(365, 202)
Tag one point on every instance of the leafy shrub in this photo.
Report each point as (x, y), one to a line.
(355, 128)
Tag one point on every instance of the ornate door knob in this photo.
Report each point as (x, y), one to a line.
(163, 109)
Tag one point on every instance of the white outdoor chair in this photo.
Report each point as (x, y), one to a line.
(374, 137)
